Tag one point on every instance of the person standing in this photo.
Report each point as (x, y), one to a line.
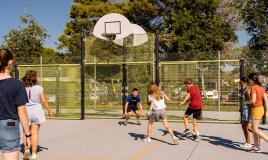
(258, 99)
(133, 104)
(36, 97)
(245, 111)
(157, 112)
(13, 98)
(195, 107)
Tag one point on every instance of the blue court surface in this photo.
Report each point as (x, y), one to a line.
(107, 139)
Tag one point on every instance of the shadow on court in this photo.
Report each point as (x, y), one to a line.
(39, 148)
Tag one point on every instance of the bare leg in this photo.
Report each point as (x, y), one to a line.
(195, 127)
(186, 121)
(35, 137)
(245, 127)
(138, 114)
(11, 155)
(149, 128)
(257, 132)
(170, 131)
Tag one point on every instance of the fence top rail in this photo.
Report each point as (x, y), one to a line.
(46, 65)
(194, 62)
(119, 63)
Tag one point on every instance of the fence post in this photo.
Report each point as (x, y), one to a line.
(16, 70)
(219, 81)
(157, 77)
(124, 78)
(82, 76)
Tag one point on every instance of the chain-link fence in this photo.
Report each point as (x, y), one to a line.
(218, 83)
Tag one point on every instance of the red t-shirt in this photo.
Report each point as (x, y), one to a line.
(196, 99)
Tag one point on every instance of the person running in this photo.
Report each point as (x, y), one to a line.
(245, 111)
(133, 104)
(34, 109)
(157, 112)
(13, 98)
(195, 108)
(257, 97)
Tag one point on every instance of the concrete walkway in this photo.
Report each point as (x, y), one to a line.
(100, 139)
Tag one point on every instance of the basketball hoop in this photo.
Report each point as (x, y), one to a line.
(109, 36)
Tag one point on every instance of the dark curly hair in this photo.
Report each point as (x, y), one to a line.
(30, 78)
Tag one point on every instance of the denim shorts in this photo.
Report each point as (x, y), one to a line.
(245, 113)
(9, 135)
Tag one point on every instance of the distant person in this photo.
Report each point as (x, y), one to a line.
(36, 97)
(245, 111)
(157, 112)
(195, 108)
(133, 103)
(13, 98)
(258, 99)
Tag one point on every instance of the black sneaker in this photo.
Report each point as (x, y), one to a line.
(138, 122)
(186, 133)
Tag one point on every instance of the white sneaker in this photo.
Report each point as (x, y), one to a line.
(26, 155)
(175, 140)
(34, 157)
(245, 146)
(148, 140)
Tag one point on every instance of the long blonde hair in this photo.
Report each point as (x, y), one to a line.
(156, 93)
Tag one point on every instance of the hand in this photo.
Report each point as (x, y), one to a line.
(181, 103)
(28, 143)
(50, 114)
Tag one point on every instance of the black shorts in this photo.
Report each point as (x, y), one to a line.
(132, 108)
(196, 113)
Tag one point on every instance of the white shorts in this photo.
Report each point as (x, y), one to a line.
(36, 114)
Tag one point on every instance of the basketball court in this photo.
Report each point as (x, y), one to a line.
(106, 139)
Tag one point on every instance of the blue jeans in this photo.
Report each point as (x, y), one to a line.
(245, 113)
(9, 135)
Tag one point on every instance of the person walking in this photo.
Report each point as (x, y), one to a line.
(36, 97)
(13, 98)
(258, 98)
(157, 112)
(195, 107)
(245, 111)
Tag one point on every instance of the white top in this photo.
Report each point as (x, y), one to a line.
(33, 94)
(158, 104)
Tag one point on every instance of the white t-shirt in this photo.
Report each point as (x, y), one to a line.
(33, 94)
(158, 104)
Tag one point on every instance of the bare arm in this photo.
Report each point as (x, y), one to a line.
(187, 97)
(45, 103)
(253, 98)
(265, 99)
(25, 124)
(126, 107)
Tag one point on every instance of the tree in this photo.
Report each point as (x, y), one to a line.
(196, 30)
(255, 16)
(191, 27)
(27, 40)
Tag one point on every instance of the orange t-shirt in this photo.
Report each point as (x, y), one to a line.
(259, 94)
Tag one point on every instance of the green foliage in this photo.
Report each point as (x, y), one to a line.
(196, 31)
(27, 40)
(255, 14)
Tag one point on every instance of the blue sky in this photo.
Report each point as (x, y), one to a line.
(51, 14)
